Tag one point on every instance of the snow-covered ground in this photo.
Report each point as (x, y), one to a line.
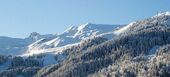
(162, 14)
(70, 37)
(123, 29)
(51, 45)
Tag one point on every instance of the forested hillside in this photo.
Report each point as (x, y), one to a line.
(140, 51)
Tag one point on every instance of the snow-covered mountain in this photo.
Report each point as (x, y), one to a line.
(37, 43)
(36, 36)
(140, 48)
(13, 46)
(69, 37)
(51, 45)
(17, 46)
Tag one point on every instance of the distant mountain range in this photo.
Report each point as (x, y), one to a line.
(17, 46)
(139, 49)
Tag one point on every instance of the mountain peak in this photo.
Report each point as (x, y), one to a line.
(88, 26)
(73, 29)
(163, 14)
(83, 26)
(34, 34)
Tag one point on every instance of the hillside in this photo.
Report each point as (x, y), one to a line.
(138, 49)
(141, 49)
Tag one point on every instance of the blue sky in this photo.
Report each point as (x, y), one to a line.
(18, 18)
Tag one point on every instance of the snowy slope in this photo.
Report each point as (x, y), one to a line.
(12, 46)
(160, 18)
(36, 36)
(36, 42)
(17, 46)
(124, 29)
(70, 37)
(52, 45)
(162, 14)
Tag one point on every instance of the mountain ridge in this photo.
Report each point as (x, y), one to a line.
(141, 50)
(138, 49)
